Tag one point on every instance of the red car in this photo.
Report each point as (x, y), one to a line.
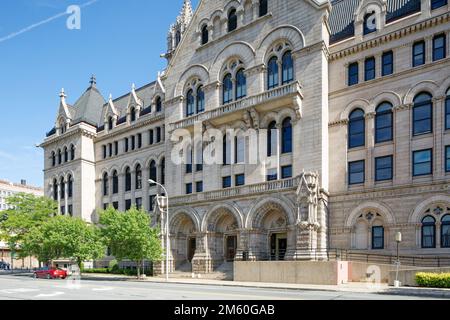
(50, 273)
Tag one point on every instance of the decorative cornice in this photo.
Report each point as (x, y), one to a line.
(343, 122)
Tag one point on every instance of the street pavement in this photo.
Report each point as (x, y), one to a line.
(26, 288)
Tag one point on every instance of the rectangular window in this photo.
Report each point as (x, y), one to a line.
(116, 148)
(188, 188)
(126, 145)
(369, 69)
(116, 205)
(418, 53)
(151, 206)
(105, 206)
(158, 135)
(383, 168)
(439, 47)
(139, 140)
(199, 186)
(150, 133)
(388, 63)
(447, 159)
(139, 203)
(272, 176)
(239, 180)
(110, 147)
(353, 77)
(226, 182)
(447, 111)
(356, 172)
(422, 162)
(63, 210)
(127, 204)
(377, 238)
(104, 152)
(133, 142)
(435, 4)
(286, 172)
(70, 210)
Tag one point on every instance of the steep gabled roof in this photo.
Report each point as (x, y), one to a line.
(89, 107)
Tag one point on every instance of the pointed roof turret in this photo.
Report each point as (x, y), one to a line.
(89, 106)
(186, 13)
(177, 30)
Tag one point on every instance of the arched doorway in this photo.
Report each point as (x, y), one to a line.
(183, 240)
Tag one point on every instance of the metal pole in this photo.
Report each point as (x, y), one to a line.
(398, 263)
(167, 239)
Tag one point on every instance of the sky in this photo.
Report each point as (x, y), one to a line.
(120, 41)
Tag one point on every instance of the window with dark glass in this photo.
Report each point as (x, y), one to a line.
(150, 136)
(126, 145)
(263, 7)
(152, 171)
(63, 210)
(384, 123)
(369, 69)
(158, 135)
(272, 73)
(127, 204)
(139, 203)
(272, 175)
(110, 149)
(369, 23)
(226, 182)
(418, 53)
(53, 159)
(66, 155)
(151, 206)
(226, 150)
(158, 104)
(115, 183)
(422, 162)
(377, 238)
(205, 34)
(286, 136)
(239, 180)
(55, 190)
(72, 152)
(445, 231)
(188, 188)
(104, 152)
(105, 184)
(356, 129)
(116, 205)
(439, 47)
(133, 114)
(353, 76)
(200, 100)
(163, 171)
(138, 182)
(189, 160)
(133, 142)
(287, 68)
(63, 188)
(199, 186)
(272, 139)
(60, 156)
(227, 89)
(286, 172)
(435, 4)
(383, 168)
(190, 103)
(128, 179)
(387, 63)
(356, 172)
(422, 114)
(447, 159)
(232, 20)
(70, 187)
(447, 110)
(428, 232)
(70, 210)
(139, 140)
(110, 123)
(241, 84)
(116, 148)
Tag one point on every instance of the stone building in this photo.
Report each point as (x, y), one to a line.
(346, 104)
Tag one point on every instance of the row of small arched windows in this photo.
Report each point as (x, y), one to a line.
(62, 188)
(429, 232)
(63, 156)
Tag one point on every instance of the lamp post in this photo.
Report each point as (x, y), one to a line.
(163, 203)
(398, 239)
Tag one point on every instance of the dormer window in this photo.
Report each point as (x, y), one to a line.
(232, 20)
(110, 123)
(133, 115)
(158, 104)
(369, 23)
(205, 34)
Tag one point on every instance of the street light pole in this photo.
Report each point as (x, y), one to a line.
(167, 223)
(398, 239)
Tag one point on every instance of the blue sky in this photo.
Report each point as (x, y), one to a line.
(119, 41)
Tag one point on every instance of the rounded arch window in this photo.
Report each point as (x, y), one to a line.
(423, 114)
(62, 184)
(152, 170)
(115, 182)
(205, 34)
(384, 123)
(133, 114)
(110, 123)
(272, 73)
(190, 103)
(356, 129)
(227, 89)
(287, 68)
(445, 231)
(72, 152)
(59, 156)
(128, 179)
(241, 84)
(55, 190)
(428, 232)
(138, 181)
(70, 186)
(286, 136)
(200, 100)
(370, 23)
(232, 20)
(105, 184)
(66, 155)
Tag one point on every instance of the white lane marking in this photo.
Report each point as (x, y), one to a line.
(24, 290)
(102, 289)
(54, 294)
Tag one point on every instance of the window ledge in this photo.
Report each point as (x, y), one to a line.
(384, 143)
(422, 136)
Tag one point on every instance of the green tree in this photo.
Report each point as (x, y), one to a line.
(129, 236)
(27, 212)
(65, 237)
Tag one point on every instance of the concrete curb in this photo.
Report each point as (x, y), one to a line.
(419, 292)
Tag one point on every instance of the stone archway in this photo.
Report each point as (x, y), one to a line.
(183, 240)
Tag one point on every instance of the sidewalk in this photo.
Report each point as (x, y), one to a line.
(356, 287)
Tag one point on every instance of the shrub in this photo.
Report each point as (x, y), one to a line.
(433, 280)
(113, 264)
(99, 270)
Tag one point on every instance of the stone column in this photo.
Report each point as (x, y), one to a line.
(133, 187)
(202, 262)
(242, 246)
(145, 190)
(121, 177)
(370, 119)
(66, 197)
(59, 198)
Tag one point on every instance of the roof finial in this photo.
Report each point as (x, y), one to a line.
(62, 94)
(93, 81)
(133, 87)
(110, 97)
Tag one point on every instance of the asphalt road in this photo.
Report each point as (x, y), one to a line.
(27, 288)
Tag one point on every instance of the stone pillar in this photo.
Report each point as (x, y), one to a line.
(202, 262)
(133, 187)
(121, 177)
(66, 197)
(59, 198)
(370, 142)
(242, 246)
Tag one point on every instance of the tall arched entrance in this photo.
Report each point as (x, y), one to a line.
(183, 240)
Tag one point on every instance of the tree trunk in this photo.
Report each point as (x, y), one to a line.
(138, 269)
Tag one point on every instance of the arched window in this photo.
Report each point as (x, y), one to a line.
(110, 123)
(241, 84)
(105, 184)
(138, 181)
(115, 182)
(163, 171)
(66, 155)
(127, 179)
(423, 114)
(288, 67)
(190, 103)
(62, 184)
(227, 89)
(428, 232)
(177, 37)
(55, 190)
(272, 73)
(384, 123)
(356, 129)
(445, 231)
(272, 140)
(153, 171)
(205, 34)
(70, 186)
(53, 159)
(158, 104)
(286, 136)
(59, 156)
(232, 20)
(447, 110)
(133, 114)
(200, 100)
(263, 7)
(72, 152)
(369, 23)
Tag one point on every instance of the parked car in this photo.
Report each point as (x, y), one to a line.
(50, 273)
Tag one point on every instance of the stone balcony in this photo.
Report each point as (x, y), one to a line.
(248, 190)
(289, 93)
